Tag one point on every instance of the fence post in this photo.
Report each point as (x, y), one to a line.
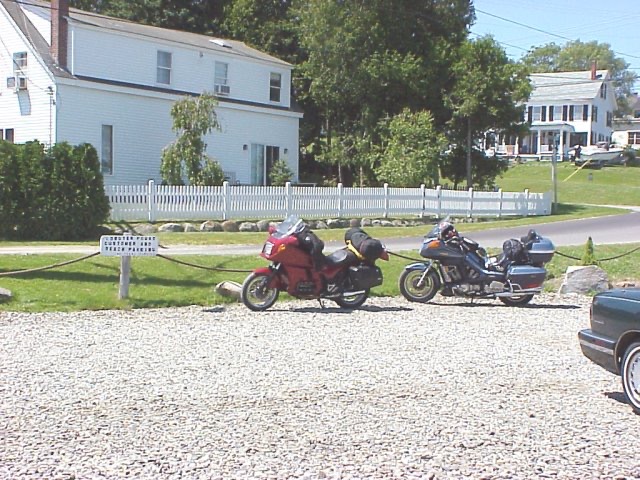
(500, 199)
(423, 206)
(151, 201)
(340, 200)
(470, 212)
(386, 200)
(439, 200)
(526, 202)
(226, 200)
(289, 197)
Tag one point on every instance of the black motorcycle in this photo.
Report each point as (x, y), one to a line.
(458, 266)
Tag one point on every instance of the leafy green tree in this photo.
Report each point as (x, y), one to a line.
(483, 170)
(193, 118)
(410, 151)
(280, 173)
(578, 56)
(487, 93)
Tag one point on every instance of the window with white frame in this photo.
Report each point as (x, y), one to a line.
(275, 85)
(19, 62)
(634, 138)
(163, 72)
(221, 78)
(555, 113)
(594, 114)
(106, 158)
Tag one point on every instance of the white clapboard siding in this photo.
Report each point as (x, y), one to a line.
(162, 203)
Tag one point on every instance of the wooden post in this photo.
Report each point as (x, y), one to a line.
(386, 200)
(125, 273)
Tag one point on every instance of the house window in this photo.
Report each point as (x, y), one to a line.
(603, 90)
(262, 160)
(7, 134)
(537, 113)
(565, 112)
(19, 62)
(609, 119)
(594, 114)
(163, 74)
(106, 159)
(221, 80)
(571, 110)
(275, 85)
(543, 114)
(585, 112)
(634, 138)
(555, 112)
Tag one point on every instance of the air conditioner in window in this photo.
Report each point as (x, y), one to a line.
(222, 89)
(21, 83)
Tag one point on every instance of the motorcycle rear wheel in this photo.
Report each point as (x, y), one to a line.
(352, 301)
(256, 295)
(413, 290)
(517, 301)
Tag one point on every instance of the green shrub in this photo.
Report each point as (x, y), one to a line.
(588, 257)
(50, 195)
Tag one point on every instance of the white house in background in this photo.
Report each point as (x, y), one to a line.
(568, 107)
(69, 75)
(626, 130)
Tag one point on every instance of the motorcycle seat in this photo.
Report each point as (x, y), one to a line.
(340, 257)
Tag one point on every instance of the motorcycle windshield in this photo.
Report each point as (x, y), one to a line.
(435, 231)
(292, 224)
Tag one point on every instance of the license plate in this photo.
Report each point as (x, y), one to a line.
(268, 247)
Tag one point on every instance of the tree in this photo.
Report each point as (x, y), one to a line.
(483, 170)
(487, 93)
(410, 151)
(280, 172)
(186, 156)
(578, 56)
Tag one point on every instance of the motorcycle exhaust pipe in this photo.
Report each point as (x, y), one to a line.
(519, 292)
(350, 294)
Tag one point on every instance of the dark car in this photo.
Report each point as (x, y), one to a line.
(613, 341)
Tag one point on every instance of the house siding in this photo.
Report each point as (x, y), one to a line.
(142, 128)
(28, 111)
(133, 59)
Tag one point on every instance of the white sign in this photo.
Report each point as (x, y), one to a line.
(128, 246)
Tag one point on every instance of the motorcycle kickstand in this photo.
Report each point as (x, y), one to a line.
(321, 304)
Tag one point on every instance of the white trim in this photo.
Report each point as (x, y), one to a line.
(597, 348)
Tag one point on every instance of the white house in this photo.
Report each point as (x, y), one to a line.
(627, 128)
(69, 75)
(566, 108)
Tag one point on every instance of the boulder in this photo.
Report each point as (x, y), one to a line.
(171, 227)
(263, 225)
(397, 223)
(145, 229)
(229, 289)
(5, 295)
(365, 222)
(189, 227)
(320, 225)
(248, 227)
(210, 226)
(584, 280)
(386, 223)
(230, 226)
(334, 223)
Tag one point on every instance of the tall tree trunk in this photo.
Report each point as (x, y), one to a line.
(469, 178)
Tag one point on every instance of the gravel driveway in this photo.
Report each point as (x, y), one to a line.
(394, 390)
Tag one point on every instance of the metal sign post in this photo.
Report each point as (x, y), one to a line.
(126, 246)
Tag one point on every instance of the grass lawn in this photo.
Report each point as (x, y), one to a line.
(614, 185)
(93, 284)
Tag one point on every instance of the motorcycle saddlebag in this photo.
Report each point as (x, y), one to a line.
(526, 276)
(541, 251)
(365, 276)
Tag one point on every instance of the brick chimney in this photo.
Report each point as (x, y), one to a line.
(594, 69)
(59, 31)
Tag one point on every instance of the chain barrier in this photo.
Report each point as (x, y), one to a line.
(48, 267)
(615, 257)
(420, 260)
(203, 267)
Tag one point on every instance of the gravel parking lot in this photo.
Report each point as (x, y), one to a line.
(394, 390)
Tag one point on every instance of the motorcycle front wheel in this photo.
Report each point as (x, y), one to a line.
(415, 290)
(352, 301)
(517, 301)
(256, 294)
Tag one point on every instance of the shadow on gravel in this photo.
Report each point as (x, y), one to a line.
(525, 307)
(366, 308)
(617, 396)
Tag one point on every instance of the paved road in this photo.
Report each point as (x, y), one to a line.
(623, 228)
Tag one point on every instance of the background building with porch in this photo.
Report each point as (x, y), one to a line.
(565, 109)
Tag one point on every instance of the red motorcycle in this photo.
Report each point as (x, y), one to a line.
(299, 267)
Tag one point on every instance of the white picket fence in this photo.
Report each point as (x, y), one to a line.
(164, 203)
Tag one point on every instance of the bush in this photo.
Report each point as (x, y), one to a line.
(50, 195)
(588, 257)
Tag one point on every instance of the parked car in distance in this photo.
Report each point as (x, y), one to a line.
(613, 341)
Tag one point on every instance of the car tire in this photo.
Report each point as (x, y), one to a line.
(630, 373)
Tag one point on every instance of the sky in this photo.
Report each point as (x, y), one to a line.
(616, 22)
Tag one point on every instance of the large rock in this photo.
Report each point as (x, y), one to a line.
(145, 229)
(229, 289)
(230, 226)
(210, 226)
(248, 227)
(5, 295)
(171, 227)
(584, 280)
(263, 225)
(334, 223)
(189, 227)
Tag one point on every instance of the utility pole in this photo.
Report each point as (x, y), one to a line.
(554, 173)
